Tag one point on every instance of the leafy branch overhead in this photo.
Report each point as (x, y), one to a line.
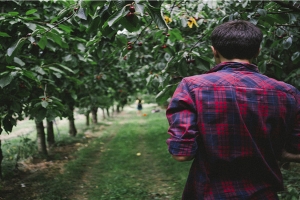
(73, 51)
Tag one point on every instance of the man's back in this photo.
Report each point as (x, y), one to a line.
(241, 120)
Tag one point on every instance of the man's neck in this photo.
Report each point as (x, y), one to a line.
(235, 60)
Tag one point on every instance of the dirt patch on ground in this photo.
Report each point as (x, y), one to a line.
(22, 185)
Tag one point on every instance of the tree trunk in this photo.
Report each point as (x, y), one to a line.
(107, 112)
(72, 128)
(87, 117)
(103, 113)
(50, 134)
(118, 108)
(94, 115)
(41, 139)
(113, 110)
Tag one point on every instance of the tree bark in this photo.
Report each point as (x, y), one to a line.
(103, 113)
(87, 117)
(50, 134)
(118, 108)
(113, 110)
(41, 138)
(94, 115)
(72, 127)
(107, 112)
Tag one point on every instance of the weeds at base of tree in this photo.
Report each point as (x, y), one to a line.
(292, 184)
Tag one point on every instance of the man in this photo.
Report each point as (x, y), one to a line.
(233, 122)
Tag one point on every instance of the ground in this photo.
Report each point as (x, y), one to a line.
(30, 168)
(15, 187)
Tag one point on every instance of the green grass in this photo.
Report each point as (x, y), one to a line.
(129, 161)
(123, 174)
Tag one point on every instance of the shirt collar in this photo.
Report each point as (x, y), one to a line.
(235, 66)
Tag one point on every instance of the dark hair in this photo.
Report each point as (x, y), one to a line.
(237, 39)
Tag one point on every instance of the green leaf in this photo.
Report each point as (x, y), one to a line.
(30, 12)
(57, 39)
(131, 24)
(139, 8)
(73, 95)
(262, 12)
(16, 106)
(176, 34)
(116, 16)
(119, 3)
(40, 114)
(54, 19)
(287, 43)
(29, 75)
(8, 123)
(262, 66)
(81, 14)
(43, 42)
(67, 29)
(4, 81)
(45, 104)
(67, 58)
(166, 93)
(13, 49)
(2, 34)
(157, 16)
(19, 61)
(109, 32)
(13, 13)
(63, 13)
(94, 26)
(56, 70)
(65, 68)
(295, 56)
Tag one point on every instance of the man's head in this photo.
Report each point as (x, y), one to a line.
(237, 40)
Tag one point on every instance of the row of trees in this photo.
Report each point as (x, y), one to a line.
(60, 55)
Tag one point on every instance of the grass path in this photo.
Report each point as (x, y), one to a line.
(133, 163)
(124, 157)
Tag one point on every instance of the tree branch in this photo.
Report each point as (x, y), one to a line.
(289, 25)
(286, 5)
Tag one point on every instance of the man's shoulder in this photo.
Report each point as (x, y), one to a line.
(200, 77)
(282, 86)
(208, 79)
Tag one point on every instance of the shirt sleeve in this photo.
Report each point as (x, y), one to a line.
(182, 117)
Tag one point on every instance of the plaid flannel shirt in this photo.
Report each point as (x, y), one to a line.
(235, 121)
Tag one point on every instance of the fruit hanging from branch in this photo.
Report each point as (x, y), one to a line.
(132, 9)
(130, 15)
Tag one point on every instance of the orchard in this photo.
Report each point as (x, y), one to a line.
(58, 56)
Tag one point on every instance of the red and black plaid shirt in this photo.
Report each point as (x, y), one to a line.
(235, 121)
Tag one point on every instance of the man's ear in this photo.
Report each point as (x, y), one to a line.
(215, 52)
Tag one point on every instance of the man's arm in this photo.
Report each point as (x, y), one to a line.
(183, 130)
(289, 157)
(183, 158)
